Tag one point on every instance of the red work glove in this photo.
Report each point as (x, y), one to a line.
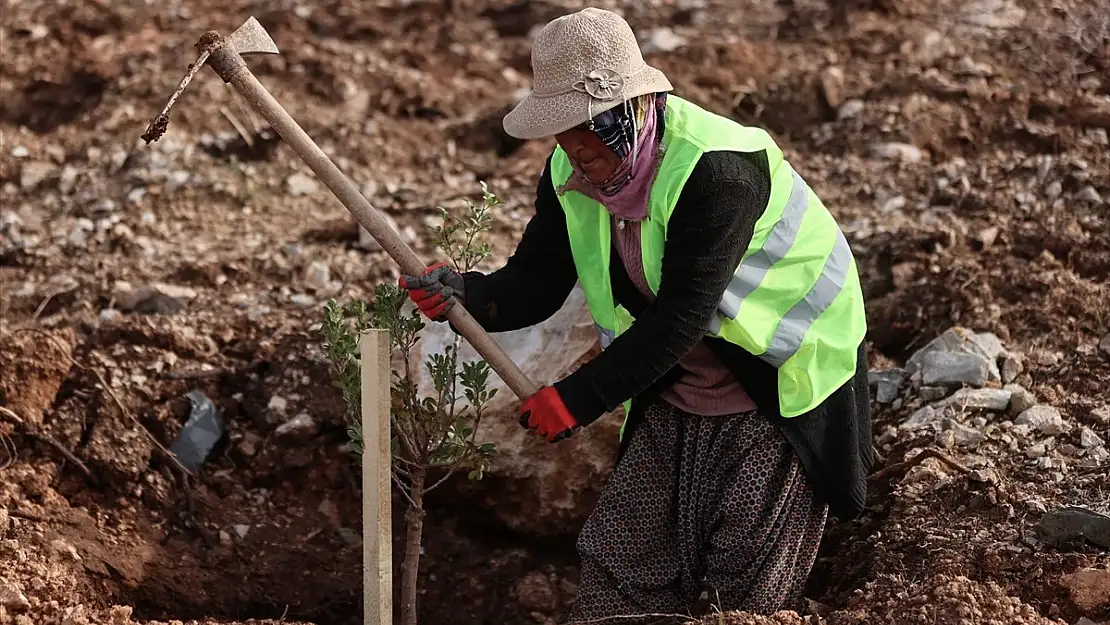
(435, 291)
(546, 413)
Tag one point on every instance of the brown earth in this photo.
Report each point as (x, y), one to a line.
(133, 274)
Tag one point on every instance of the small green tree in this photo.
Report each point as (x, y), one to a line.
(433, 436)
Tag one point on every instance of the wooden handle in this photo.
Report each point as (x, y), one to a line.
(235, 72)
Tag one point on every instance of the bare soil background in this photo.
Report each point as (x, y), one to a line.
(962, 145)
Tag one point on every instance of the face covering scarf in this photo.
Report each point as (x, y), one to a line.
(634, 131)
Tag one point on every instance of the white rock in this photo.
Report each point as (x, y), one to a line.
(850, 109)
(300, 183)
(954, 369)
(897, 151)
(548, 482)
(662, 39)
(1010, 367)
(1088, 438)
(1021, 399)
(1101, 415)
(278, 403)
(990, 14)
(979, 398)
(961, 340)
(20, 151)
(1043, 418)
(303, 300)
(33, 173)
(298, 429)
(1089, 194)
(963, 435)
(241, 530)
(317, 274)
(887, 384)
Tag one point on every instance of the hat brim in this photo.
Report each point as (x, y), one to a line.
(536, 118)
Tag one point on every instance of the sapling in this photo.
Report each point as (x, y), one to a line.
(433, 435)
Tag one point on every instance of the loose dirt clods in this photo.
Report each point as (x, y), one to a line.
(962, 145)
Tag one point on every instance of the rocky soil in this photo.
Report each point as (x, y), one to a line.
(963, 146)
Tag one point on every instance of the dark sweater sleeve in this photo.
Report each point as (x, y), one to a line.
(536, 279)
(707, 235)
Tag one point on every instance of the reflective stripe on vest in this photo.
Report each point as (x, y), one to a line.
(794, 300)
(749, 275)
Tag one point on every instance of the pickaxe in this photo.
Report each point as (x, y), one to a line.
(224, 56)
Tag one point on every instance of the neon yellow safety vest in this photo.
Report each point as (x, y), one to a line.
(794, 300)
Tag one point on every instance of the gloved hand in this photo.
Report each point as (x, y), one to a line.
(546, 413)
(435, 291)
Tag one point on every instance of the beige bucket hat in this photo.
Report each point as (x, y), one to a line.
(583, 64)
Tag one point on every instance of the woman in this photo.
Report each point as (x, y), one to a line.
(749, 417)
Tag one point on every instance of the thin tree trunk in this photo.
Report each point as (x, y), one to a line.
(414, 520)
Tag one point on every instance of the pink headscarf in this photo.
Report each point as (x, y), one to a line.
(626, 194)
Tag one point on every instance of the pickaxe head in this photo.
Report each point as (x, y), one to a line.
(224, 55)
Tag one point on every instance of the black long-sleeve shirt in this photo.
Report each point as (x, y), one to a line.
(708, 232)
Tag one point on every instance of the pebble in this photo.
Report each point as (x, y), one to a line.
(963, 435)
(300, 184)
(317, 274)
(1089, 194)
(850, 109)
(33, 173)
(887, 384)
(241, 530)
(933, 393)
(5, 521)
(1021, 399)
(1101, 415)
(980, 398)
(897, 151)
(954, 369)
(109, 316)
(300, 428)
(1043, 418)
(662, 39)
(1053, 190)
(1036, 451)
(1096, 457)
(1088, 438)
(20, 151)
(1010, 367)
(278, 403)
(302, 299)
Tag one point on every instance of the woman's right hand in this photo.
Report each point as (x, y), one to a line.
(434, 292)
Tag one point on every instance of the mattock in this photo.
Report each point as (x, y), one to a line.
(224, 56)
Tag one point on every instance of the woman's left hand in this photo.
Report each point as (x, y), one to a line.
(546, 413)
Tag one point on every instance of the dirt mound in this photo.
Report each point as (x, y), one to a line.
(962, 145)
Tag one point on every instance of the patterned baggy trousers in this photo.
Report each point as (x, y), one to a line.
(714, 503)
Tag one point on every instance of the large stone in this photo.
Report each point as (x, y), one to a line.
(532, 485)
(954, 369)
(1043, 418)
(887, 384)
(960, 340)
